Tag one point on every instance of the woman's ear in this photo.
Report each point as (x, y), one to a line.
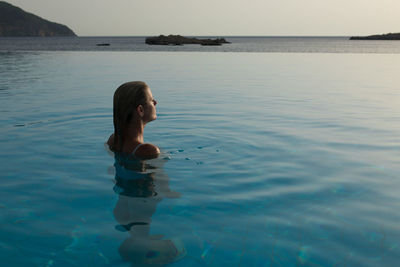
(140, 110)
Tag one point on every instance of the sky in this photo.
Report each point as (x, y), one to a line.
(219, 17)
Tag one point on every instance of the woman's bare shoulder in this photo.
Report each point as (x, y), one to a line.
(147, 151)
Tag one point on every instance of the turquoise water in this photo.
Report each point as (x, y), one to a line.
(270, 159)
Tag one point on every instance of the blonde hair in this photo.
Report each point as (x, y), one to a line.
(127, 98)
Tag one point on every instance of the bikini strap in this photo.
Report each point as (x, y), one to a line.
(136, 148)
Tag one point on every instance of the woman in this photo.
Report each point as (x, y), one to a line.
(140, 184)
(134, 107)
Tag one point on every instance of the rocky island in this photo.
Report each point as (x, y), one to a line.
(180, 40)
(15, 22)
(388, 36)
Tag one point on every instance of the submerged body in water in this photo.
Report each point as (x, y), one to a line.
(141, 186)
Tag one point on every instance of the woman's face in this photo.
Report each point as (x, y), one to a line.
(149, 107)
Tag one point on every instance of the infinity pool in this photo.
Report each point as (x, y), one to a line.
(268, 160)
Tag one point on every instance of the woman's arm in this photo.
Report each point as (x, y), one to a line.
(148, 151)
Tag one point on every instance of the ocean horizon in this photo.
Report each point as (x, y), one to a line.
(249, 44)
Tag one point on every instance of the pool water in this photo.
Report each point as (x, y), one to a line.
(268, 160)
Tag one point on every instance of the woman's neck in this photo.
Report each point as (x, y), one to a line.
(133, 137)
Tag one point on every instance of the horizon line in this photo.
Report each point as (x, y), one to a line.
(216, 35)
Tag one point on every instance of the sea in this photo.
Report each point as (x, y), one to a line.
(249, 44)
(276, 151)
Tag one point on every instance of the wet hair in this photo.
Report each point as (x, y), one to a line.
(127, 98)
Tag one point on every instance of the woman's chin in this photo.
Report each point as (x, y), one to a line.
(152, 119)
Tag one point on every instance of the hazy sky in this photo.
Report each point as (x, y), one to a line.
(219, 17)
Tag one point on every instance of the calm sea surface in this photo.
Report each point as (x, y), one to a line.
(269, 159)
(238, 44)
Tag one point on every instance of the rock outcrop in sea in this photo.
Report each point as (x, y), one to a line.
(181, 40)
(388, 36)
(16, 22)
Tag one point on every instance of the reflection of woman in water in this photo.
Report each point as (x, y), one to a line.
(140, 181)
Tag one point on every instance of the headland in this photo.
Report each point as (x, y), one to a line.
(15, 22)
(388, 36)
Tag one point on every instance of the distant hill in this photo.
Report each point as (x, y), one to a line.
(16, 22)
(388, 36)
